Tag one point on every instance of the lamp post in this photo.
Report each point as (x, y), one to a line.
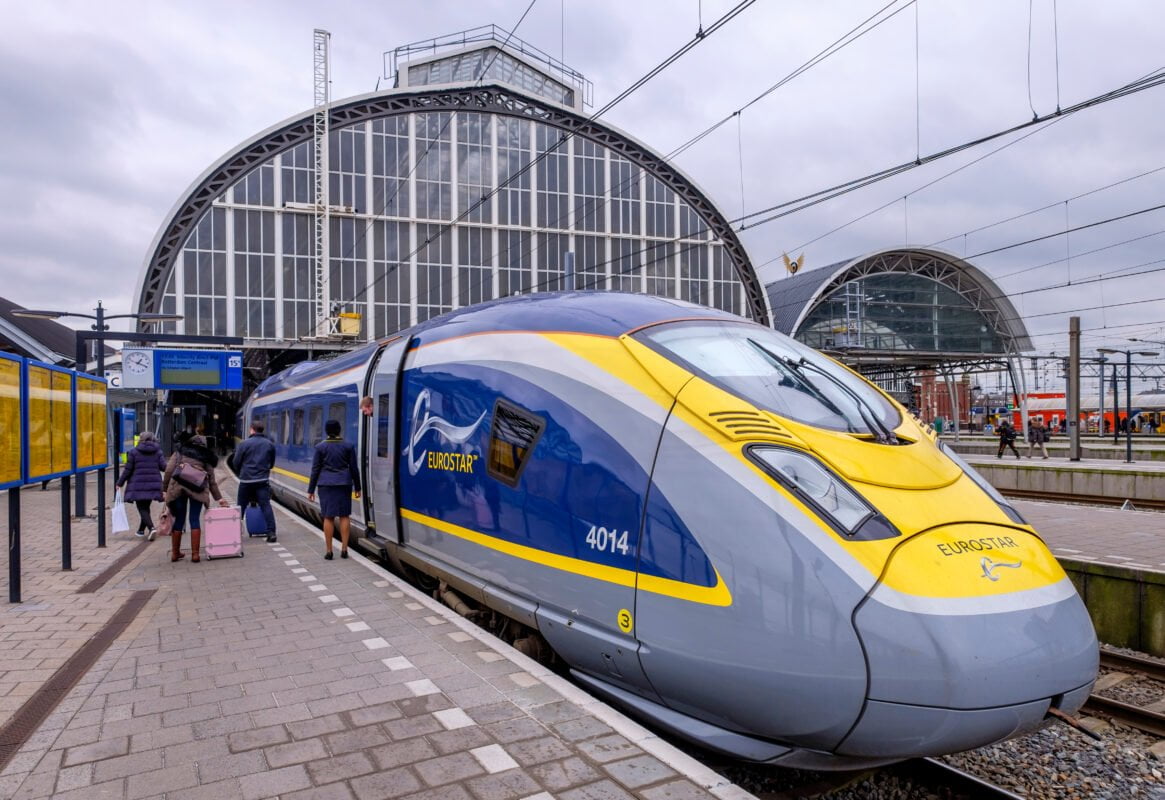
(99, 319)
(1128, 394)
(1100, 362)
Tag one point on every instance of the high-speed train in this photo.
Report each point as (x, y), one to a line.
(724, 532)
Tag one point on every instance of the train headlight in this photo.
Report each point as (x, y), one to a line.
(826, 493)
(991, 491)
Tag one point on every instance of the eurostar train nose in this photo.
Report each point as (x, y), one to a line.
(972, 634)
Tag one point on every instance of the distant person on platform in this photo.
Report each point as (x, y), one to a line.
(1006, 439)
(1037, 436)
(252, 462)
(142, 479)
(335, 471)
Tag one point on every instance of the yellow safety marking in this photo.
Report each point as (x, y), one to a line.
(625, 621)
(290, 474)
(717, 595)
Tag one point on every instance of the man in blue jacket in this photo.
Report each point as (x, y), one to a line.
(252, 462)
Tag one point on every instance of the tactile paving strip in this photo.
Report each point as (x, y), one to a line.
(34, 711)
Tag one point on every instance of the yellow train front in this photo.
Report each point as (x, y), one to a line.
(721, 530)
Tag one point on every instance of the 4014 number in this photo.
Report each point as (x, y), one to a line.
(612, 541)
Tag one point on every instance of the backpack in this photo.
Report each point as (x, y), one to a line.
(190, 477)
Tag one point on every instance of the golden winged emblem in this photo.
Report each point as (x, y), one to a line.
(792, 265)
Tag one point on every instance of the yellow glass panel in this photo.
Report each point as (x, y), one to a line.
(61, 402)
(10, 433)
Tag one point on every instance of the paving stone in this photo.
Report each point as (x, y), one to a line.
(412, 726)
(274, 782)
(229, 766)
(508, 785)
(333, 791)
(514, 730)
(559, 775)
(537, 751)
(161, 781)
(639, 771)
(448, 769)
(258, 737)
(339, 768)
(219, 790)
(318, 726)
(442, 793)
(390, 784)
(372, 714)
(111, 790)
(676, 790)
(608, 748)
(404, 752)
(106, 748)
(575, 730)
(603, 790)
(295, 752)
(460, 739)
(550, 713)
(122, 767)
(495, 712)
(67, 779)
(356, 739)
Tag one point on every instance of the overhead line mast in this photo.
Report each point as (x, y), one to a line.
(321, 84)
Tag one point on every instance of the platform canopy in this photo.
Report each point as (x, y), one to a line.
(901, 310)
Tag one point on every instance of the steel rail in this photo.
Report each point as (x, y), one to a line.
(1139, 664)
(931, 771)
(1139, 718)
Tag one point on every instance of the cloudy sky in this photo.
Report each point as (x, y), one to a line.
(111, 109)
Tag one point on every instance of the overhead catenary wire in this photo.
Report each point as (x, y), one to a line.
(566, 136)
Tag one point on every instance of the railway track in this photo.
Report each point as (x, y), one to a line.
(1140, 718)
(1086, 499)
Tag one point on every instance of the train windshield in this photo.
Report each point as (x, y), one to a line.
(777, 373)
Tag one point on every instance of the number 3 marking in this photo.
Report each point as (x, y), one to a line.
(625, 621)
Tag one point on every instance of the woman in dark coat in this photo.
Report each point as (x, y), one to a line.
(142, 479)
(335, 471)
(188, 503)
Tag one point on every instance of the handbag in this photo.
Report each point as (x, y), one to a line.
(190, 477)
(165, 522)
(120, 517)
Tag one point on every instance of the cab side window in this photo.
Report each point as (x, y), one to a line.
(383, 416)
(512, 437)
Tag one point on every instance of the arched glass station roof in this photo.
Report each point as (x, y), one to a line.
(408, 236)
(900, 310)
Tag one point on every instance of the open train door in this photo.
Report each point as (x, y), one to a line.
(379, 437)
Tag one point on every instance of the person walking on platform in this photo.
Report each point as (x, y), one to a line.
(188, 484)
(1006, 439)
(335, 471)
(252, 462)
(142, 479)
(1037, 436)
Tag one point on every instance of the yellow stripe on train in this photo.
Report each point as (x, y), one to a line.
(717, 595)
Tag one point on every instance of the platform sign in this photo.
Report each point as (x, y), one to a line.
(92, 444)
(49, 416)
(151, 368)
(11, 421)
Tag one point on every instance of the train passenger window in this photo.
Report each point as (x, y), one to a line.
(336, 412)
(275, 428)
(285, 427)
(297, 427)
(315, 424)
(512, 437)
(383, 417)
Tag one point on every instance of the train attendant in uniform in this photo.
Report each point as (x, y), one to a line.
(143, 479)
(335, 470)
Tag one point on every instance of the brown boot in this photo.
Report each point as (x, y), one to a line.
(176, 553)
(195, 540)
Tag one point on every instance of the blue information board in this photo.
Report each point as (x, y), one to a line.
(147, 368)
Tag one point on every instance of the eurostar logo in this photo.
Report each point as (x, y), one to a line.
(423, 422)
(990, 566)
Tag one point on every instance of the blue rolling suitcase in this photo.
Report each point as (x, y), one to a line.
(256, 524)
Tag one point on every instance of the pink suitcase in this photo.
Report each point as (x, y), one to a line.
(222, 532)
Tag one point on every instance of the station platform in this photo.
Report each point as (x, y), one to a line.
(282, 674)
(1088, 478)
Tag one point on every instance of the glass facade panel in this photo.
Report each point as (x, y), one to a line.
(397, 257)
(496, 65)
(899, 312)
